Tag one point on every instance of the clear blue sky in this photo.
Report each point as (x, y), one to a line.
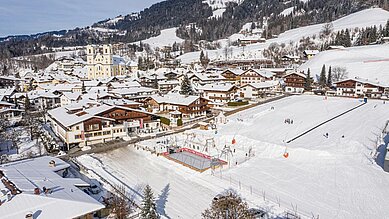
(34, 16)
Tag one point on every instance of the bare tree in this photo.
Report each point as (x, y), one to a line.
(14, 137)
(228, 205)
(120, 205)
(339, 73)
(326, 30)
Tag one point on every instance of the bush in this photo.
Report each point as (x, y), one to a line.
(179, 122)
(238, 103)
(165, 121)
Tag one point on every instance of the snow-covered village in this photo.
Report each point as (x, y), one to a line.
(214, 109)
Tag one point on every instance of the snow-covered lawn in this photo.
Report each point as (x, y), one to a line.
(332, 177)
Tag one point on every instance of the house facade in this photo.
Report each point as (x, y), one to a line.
(189, 106)
(294, 82)
(99, 124)
(255, 76)
(219, 93)
(361, 88)
(259, 90)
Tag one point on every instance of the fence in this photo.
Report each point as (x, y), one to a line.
(292, 210)
(83, 168)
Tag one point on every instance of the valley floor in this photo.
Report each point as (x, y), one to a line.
(334, 177)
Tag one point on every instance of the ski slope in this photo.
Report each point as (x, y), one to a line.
(167, 38)
(332, 177)
(364, 18)
(369, 62)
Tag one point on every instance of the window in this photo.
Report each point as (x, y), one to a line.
(77, 127)
(77, 136)
(97, 134)
(88, 135)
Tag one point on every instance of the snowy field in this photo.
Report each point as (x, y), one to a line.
(334, 177)
(368, 62)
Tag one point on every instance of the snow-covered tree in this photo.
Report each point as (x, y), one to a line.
(186, 87)
(322, 79)
(308, 82)
(148, 208)
(329, 77)
(228, 205)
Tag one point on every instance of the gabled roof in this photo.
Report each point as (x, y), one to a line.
(64, 201)
(364, 81)
(235, 71)
(265, 84)
(175, 99)
(72, 95)
(296, 73)
(67, 119)
(311, 52)
(222, 87)
(262, 72)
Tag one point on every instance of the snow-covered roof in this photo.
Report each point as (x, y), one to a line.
(67, 119)
(72, 95)
(117, 60)
(175, 99)
(236, 71)
(65, 200)
(296, 73)
(262, 72)
(126, 84)
(208, 77)
(41, 94)
(168, 82)
(133, 90)
(222, 87)
(364, 81)
(265, 84)
(7, 91)
(311, 52)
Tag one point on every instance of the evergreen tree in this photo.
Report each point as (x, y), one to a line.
(204, 60)
(329, 77)
(308, 84)
(27, 104)
(155, 82)
(322, 80)
(148, 208)
(186, 87)
(347, 39)
(83, 90)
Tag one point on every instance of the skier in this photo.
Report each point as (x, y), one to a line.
(291, 122)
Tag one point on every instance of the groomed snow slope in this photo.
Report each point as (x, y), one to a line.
(331, 177)
(167, 38)
(365, 18)
(369, 62)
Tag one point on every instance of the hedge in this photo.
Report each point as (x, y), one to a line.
(179, 122)
(165, 121)
(238, 103)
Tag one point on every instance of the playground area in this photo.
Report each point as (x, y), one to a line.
(332, 171)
